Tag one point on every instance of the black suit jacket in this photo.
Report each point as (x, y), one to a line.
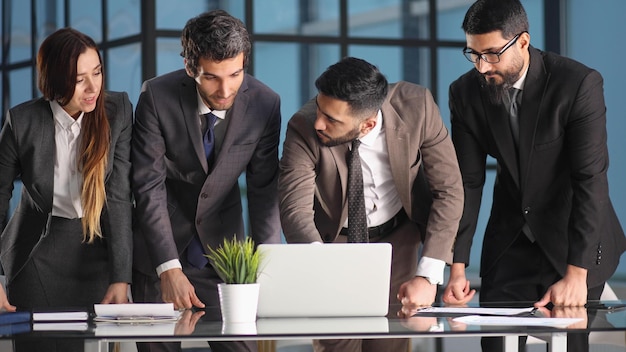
(176, 195)
(559, 186)
(27, 149)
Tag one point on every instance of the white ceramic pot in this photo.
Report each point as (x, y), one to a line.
(238, 302)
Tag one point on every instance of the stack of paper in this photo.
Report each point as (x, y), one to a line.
(60, 321)
(500, 316)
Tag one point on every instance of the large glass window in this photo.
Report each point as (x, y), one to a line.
(294, 41)
(123, 18)
(594, 46)
(86, 17)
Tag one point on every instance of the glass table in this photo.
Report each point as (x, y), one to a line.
(207, 326)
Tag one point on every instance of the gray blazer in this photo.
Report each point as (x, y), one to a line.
(313, 177)
(176, 195)
(27, 149)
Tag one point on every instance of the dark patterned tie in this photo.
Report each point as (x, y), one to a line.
(357, 220)
(195, 252)
(515, 95)
(514, 113)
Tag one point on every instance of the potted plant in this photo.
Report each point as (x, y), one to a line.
(237, 263)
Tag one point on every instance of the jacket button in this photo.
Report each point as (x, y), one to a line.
(204, 196)
(526, 210)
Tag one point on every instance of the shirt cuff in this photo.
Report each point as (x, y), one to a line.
(432, 269)
(170, 264)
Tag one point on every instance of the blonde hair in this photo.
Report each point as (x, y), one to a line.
(93, 160)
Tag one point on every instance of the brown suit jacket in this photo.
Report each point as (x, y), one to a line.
(313, 177)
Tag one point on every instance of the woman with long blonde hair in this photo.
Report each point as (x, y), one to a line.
(69, 242)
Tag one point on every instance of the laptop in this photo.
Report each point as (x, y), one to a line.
(324, 280)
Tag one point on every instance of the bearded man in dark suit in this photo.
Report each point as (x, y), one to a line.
(553, 235)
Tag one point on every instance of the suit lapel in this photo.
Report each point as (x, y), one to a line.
(236, 117)
(339, 154)
(48, 150)
(500, 127)
(397, 139)
(189, 106)
(532, 97)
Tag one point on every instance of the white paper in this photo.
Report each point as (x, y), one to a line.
(60, 316)
(516, 321)
(116, 329)
(136, 312)
(476, 311)
(58, 326)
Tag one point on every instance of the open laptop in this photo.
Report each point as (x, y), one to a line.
(324, 280)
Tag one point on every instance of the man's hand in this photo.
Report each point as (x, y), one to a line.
(417, 292)
(567, 312)
(570, 291)
(176, 288)
(116, 293)
(458, 290)
(4, 302)
(186, 324)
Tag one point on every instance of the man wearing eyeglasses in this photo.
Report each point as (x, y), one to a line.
(553, 235)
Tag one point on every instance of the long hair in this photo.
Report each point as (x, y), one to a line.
(56, 64)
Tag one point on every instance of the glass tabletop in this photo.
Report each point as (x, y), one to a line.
(207, 325)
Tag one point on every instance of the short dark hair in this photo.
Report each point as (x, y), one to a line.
(214, 35)
(356, 82)
(486, 16)
(56, 63)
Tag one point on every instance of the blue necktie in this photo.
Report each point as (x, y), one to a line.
(209, 137)
(195, 251)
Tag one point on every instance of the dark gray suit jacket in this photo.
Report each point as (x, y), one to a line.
(27, 150)
(176, 195)
(559, 187)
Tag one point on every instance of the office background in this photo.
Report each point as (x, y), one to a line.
(295, 40)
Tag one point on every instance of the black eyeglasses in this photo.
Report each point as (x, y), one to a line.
(489, 57)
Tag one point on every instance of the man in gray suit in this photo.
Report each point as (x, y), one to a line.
(412, 186)
(196, 131)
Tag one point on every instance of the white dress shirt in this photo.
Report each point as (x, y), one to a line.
(382, 200)
(68, 180)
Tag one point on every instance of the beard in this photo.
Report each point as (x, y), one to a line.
(348, 137)
(496, 90)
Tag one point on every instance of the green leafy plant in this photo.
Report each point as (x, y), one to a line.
(236, 261)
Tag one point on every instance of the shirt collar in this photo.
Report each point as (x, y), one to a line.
(63, 118)
(520, 82)
(203, 109)
(370, 137)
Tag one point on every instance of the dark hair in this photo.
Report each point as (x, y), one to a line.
(486, 16)
(56, 64)
(214, 35)
(57, 61)
(356, 82)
